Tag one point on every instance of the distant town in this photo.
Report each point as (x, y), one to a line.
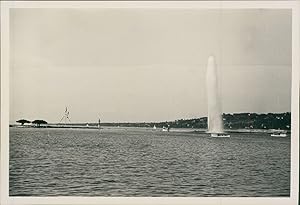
(280, 121)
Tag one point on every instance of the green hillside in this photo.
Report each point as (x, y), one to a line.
(231, 121)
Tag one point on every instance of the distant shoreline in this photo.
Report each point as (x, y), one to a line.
(251, 122)
(185, 130)
(237, 122)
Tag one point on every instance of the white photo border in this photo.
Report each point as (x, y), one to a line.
(294, 182)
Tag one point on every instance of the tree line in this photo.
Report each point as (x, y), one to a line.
(36, 122)
(231, 121)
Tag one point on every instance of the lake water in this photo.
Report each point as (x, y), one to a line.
(141, 162)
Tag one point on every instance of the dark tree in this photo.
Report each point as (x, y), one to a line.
(39, 122)
(23, 121)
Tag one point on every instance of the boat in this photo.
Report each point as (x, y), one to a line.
(154, 127)
(279, 134)
(166, 129)
(219, 135)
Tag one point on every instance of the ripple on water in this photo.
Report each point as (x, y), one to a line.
(146, 163)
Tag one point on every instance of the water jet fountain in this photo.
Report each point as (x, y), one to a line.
(214, 118)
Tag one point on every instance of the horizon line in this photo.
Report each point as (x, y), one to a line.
(96, 121)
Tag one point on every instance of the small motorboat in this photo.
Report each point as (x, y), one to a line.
(166, 129)
(219, 135)
(279, 134)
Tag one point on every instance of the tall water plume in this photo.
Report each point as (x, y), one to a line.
(215, 121)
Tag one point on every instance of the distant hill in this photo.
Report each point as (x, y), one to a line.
(231, 121)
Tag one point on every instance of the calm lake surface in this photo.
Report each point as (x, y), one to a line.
(141, 162)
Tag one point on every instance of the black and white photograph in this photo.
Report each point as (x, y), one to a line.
(150, 102)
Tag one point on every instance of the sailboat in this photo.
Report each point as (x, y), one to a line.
(215, 120)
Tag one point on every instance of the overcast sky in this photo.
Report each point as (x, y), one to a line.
(146, 65)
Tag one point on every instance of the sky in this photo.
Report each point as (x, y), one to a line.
(142, 65)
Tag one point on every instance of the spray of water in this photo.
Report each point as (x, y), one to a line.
(215, 121)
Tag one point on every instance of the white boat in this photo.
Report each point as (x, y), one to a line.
(164, 129)
(219, 135)
(154, 127)
(278, 134)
